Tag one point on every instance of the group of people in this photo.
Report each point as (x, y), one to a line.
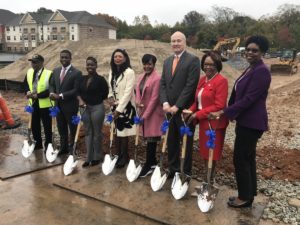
(179, 94)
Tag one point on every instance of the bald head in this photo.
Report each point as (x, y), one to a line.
(178, 42)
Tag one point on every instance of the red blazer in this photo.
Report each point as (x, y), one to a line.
(213, 98)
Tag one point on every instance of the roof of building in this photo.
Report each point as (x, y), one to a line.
(85, 18)
(15, 21)
(6, 15)
(76, 17)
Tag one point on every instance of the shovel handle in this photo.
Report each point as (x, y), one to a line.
(77, 132)
(112, 127)
(29, 121)
(183, 146)
(164, 146)
(53, 124)
(210, 157)
(137, 134)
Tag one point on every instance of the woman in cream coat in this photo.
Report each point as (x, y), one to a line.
(121, 99)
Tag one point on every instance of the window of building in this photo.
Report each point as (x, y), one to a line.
(72, 28)
(48, 37)
(20, 29)
(14, 28)
(7, 29)
(25, 38)
(42, 37)
(32, 30)
(21, 49)
(26, 49)
(62, 29)
(20, 38)
(47, 28)
(73, 37)
(15, 49)
(62, 37)
(33, 37)
(90, 29)
(9, 49)
(25, 30)
(8, 38)
(15, 38)
(54, 37)
(54, 29)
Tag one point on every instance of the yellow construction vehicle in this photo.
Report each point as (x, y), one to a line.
(287, 64)
(228, 46)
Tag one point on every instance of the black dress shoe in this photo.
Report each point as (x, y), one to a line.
(85, 164)
(63, 152)
(95, 162)
(242, 205)
(170, 175)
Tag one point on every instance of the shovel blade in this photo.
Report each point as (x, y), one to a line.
(133, 171)
(70, 165)
(157, 179)
(51, 153)
(179, 188)
(109, 163)
(206, 197)
(27, 149)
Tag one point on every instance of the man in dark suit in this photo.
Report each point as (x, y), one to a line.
(63, 90)
(179, 81)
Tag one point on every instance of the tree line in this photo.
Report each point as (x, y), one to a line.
(204, 30)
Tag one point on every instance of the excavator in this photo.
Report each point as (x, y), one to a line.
(287, 63)
(227, 47)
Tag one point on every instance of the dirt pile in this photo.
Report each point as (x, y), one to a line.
(102, 50)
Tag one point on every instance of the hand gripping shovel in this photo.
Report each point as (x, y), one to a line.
(159, 177)
(207, 193)
(52, 151)
(72, 160)
(110, 160)
(134, 168)
(181, 181)
(29, 144)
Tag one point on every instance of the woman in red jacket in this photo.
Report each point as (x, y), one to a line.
(211, 95)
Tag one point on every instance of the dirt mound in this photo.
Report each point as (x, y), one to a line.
(100, 49)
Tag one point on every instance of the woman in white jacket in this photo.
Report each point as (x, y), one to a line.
(121, 81)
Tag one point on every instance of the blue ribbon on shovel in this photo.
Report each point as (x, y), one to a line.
(137, 120)
(29, 109)
(165, 126)
(54, 110)
(109, 118)
(185, 130)
(211, 138)
(76, 120)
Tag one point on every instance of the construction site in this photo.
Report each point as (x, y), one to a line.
(34, 191)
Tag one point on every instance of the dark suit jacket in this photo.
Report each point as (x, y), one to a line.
(67, 88)
(247, 104)
(179, 89)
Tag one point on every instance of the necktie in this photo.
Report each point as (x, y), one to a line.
(62, 74)
(175, 62)
(35, 82)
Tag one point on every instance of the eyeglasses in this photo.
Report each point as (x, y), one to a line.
(253, 50)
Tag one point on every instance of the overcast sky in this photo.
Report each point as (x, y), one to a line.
(162, 11)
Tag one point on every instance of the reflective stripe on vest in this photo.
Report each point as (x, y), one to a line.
(43, 85)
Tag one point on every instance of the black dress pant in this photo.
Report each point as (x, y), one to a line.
(244, 159)
(64, 125)
(38, 115)
(174, 147)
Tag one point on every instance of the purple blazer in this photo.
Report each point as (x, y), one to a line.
(247, 103)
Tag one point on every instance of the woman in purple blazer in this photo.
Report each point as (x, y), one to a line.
(149, 109)
(247, 106)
